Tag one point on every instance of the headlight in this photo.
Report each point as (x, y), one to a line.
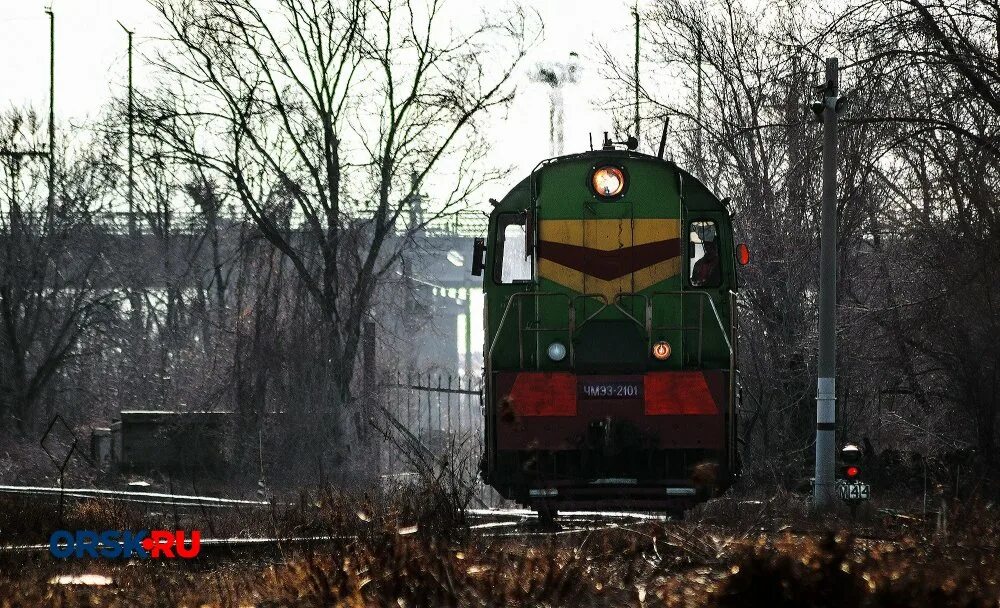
(661, 350)
(556, 351)
(608, 181)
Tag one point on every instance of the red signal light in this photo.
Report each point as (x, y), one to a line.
(852, 472)
(743, 254)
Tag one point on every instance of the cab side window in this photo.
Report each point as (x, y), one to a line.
(512, 262)
(705, 262)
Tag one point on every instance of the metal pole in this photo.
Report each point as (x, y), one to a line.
(698, 142)
(826, 384)
(131, 140)
(468, 329)
(635, 13)
(52, 116)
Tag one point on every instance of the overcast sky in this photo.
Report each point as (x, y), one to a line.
(91, 65)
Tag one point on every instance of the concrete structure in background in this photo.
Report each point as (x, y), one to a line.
(172, 442)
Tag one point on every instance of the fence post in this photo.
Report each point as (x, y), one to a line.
(440, 420)
(448, 398)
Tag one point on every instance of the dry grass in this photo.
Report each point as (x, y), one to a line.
(760, 555)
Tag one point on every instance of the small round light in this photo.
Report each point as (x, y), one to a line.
(608, 181)
(852, 472)
(661, 350)
(556, 351)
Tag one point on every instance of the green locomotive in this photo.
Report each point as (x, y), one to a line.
(610, 293)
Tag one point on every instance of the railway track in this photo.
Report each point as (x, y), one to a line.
(489, 522)
(485, 522)
(481, 518)
(151, 498)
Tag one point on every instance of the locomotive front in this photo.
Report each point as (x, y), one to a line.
(610, 348)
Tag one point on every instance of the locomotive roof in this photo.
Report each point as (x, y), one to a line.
(707, 201)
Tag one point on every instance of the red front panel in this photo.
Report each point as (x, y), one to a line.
(551, 411)
(678, 393)
(542, 394)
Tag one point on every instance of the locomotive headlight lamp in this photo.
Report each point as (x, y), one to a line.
(608, 182)
(556, 351)
(662, 350)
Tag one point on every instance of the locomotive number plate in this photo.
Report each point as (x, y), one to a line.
(627, 389)
(854, 490)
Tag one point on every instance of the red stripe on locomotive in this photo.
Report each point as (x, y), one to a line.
(544, 394)
(665, 393)
(678, 393)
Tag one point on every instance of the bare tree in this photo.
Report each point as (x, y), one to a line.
(314, 115)
(52, 290)
(937, 65)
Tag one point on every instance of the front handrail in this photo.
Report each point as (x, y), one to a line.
(734, 305)
(521, 328)
(571, 327)
(715, 312)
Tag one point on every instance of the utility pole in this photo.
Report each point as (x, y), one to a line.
(826, 382)
(635, 13)
(698, 133)
(135, 302)
(131, 141)
(51, 203)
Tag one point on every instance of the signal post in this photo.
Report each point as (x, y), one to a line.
(826, 383)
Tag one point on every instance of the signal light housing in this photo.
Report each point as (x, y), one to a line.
(743, 254)
(662, 350)
(608, 181)
(850, 457)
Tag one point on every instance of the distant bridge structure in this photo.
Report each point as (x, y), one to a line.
(437, 263)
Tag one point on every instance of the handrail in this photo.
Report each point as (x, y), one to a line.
(581, 296)
(571, 327)
(506, 311)
(715, 312)
(733, 355)
(647, 307)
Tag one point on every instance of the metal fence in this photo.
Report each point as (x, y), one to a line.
(429, 405)
(438, 419)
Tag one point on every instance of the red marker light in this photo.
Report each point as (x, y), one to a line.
(743, 254)
(852, 472)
